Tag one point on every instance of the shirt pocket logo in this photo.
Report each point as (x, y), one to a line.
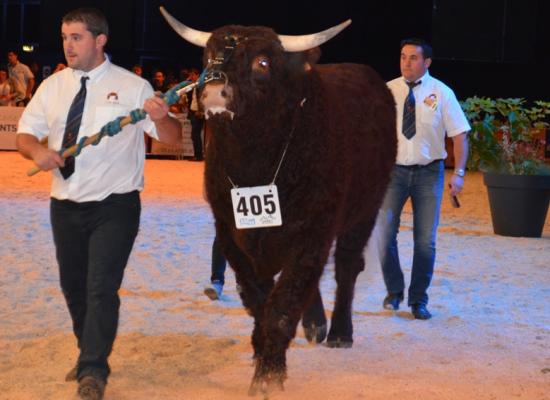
(431, 101)
(430, 113)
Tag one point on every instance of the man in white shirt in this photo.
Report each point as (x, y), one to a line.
(427, 110)
(22, 79)
(95, 204)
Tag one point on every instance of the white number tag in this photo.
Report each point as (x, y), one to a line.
(256, 207)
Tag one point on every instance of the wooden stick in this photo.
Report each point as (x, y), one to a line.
(123, 122)
(71, 150)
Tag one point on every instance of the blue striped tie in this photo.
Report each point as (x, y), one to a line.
(73, 125)
(409, 115)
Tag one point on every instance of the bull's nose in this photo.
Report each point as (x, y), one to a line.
(215, 99)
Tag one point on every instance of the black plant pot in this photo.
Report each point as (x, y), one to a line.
(519, 203)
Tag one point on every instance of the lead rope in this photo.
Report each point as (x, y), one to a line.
(113, 127)
(284, 151)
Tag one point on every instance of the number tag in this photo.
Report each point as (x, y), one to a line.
(256, 207)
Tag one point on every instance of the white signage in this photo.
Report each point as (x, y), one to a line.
(256, 207)
(9, 118)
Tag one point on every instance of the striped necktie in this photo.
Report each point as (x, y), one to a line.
(73, 125)
(409, 115)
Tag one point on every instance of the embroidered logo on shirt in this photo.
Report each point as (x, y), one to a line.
(431, 101)
(112, 97)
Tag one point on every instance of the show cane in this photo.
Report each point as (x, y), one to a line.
(170, 97)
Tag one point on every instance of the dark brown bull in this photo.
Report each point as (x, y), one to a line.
(331, 128)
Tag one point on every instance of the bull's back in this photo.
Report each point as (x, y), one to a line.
(362, 122)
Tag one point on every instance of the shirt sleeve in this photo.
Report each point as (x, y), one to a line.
(33, 120)
(148, 125)
(28, 73)
(454, 120)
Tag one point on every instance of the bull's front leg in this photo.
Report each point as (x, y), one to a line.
(282, 313)
(254, 294)
(252, 291)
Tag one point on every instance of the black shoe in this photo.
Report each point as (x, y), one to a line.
(196, 159)
(420, 311)
(392, 300)
(91, 387)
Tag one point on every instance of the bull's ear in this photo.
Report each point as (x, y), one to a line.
(312, 56)
(304, 60)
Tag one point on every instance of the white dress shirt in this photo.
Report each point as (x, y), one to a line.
(437, 113)
(20, 74)
(115, 165)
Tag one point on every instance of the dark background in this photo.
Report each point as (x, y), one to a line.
(495, 48)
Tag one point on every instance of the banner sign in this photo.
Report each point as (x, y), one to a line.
(9, 118)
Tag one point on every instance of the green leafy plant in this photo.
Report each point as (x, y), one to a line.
(507, 135)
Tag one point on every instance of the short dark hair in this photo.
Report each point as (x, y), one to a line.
(427, 50)
(95, 20)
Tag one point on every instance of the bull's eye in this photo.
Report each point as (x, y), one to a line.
(261, 63)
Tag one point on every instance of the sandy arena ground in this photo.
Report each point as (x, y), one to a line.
(489, 338)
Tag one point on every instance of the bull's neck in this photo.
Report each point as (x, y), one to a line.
(252, 152)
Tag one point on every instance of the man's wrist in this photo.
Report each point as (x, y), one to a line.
(459, 172)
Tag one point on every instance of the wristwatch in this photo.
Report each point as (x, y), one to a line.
(460, 172)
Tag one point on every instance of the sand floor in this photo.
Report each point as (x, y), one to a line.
(489, 338)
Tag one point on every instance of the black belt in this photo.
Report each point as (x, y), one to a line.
(417, 166)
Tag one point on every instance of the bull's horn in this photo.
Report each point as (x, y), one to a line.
(194, 36)
(306, 42)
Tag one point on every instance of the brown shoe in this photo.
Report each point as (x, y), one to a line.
(71, 375)
(91, 388)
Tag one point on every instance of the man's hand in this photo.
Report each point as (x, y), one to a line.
(47, 159)
(156, 108)
(168, 128)
(455, 185)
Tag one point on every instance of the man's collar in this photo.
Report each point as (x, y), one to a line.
(95, 73)
(423, 78)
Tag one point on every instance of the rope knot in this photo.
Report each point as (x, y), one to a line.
(137, 115)
(109, 129)
(172, 96)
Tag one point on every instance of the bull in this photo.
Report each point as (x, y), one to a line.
(302, 154)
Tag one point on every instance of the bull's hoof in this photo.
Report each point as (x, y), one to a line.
(266, 386)
(339, 343)
(315, 334)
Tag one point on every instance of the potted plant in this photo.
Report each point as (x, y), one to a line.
(508, 144)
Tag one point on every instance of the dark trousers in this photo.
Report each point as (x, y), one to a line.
(196, 130)
(218, 264)
(93, 241)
